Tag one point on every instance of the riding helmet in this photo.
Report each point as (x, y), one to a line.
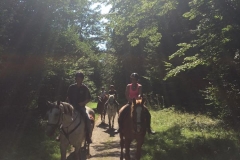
(134, 75)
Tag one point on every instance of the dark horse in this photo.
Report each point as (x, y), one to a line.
(133, 127)
(100, 107)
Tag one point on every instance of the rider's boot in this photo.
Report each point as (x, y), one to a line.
(57, 138)
(119, 124)
(88, 135)
(88, 139)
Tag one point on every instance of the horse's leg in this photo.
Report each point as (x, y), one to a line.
(104, 114)
(113, 121)
(127, 148)
(139, 148)
(109, 121)
(77, 153)
(63, 149)
(88, 151)
(122, 145)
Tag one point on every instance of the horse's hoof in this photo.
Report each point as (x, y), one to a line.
(88, 156)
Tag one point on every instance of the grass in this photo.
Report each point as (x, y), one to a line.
(180, 136)
(183, 136)
(93, 105)
(28, 144)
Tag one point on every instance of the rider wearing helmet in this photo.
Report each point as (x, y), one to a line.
(102, 94)
(134, 90)
(112, 91)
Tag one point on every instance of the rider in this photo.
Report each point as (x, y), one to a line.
(134, 90)
(102, 94)
(78, 96)
(112, 91)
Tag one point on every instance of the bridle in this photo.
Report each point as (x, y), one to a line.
(59, 118)
(136, 123)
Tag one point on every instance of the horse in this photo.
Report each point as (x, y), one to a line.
(133, 127)
(111, 110)
(72, 127)
(100, 107)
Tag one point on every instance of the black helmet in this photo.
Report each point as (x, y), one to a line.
(134, 75)
(79, 74)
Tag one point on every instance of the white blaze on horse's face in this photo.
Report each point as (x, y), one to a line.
(53, 120)
(138, 111)
(53, 116)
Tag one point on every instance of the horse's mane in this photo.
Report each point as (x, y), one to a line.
(138, 101)
(67, 108)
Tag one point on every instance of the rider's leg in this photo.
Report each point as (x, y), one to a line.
(87, 124)
(148, 121)
(116, 102)
(105, 108)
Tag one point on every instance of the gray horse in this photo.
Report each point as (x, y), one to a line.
(111, 110)
(72, 126)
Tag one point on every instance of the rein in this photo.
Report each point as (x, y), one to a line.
(66, 134)
(58, 122)
(138, 123)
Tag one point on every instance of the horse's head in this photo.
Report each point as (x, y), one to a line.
(55, 115)
(111, 98)
(137, 114)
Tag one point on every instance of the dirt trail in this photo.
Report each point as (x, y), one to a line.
(105, 144)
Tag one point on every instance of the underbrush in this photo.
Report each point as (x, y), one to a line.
(183, 136)
(28, 141)
(28, 144)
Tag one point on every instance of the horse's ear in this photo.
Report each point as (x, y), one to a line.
(134, 101)
(49, 104)
(58, 102)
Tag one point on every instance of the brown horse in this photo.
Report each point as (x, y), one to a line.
(133, 127)
(100, 107)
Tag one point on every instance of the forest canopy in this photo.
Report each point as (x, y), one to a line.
(186, 52)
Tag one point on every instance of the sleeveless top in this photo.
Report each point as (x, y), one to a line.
(135, 93)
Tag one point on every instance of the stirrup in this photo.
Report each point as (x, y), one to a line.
(88, 140)
(57, 138)
(150, 131)
(117, 131)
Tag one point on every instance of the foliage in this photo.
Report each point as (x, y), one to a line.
(188, 136)
(214, 46)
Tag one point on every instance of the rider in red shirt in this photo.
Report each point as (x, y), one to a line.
(134, 90)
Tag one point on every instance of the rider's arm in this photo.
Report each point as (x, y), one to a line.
(87, 98)
(83, 104)
(139, 90)
(127, 93)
